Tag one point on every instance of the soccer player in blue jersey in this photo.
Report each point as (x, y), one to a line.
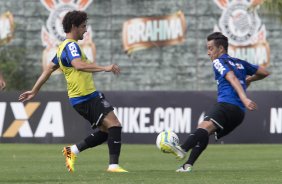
(233, 76)
(86, 100)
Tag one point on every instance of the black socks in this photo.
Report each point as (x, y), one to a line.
(114, 144)
(92, 140)
(200, 135)
(198, 141)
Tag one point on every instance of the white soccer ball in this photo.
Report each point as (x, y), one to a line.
(168, 137)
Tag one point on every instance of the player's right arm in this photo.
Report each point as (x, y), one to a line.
(235, 83)
(225, 71)
(40, 81)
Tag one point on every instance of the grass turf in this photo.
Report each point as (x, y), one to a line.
(219, 164)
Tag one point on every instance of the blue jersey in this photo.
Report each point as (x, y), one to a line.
(225, 91)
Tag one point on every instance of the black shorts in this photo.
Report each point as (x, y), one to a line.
(94, 110)
(226, 117)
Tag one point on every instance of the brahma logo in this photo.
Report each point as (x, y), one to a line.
(140, 33)
(51, 120)
(247, 35)
(53, 33)
(7, 28)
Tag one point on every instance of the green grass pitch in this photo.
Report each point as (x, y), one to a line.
(219, 164)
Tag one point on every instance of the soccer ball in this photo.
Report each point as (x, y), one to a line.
(166, 137)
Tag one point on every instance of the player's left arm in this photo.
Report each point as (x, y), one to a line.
(260, 74)
(233, 80)
(76, 61)
(80, 65)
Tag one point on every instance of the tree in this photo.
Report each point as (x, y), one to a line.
(13, 67)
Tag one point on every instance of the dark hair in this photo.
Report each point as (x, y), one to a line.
(219, 39)
(73, 18)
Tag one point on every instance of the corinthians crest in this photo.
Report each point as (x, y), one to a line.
(246, 34)
(53, 34)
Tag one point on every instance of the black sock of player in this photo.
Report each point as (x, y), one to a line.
(193, 139)
(92, 140)
(114, 144)
(197, 150)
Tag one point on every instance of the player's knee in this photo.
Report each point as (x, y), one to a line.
(111, 121)
(108, 123)
(114, 124)
(207, 125)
